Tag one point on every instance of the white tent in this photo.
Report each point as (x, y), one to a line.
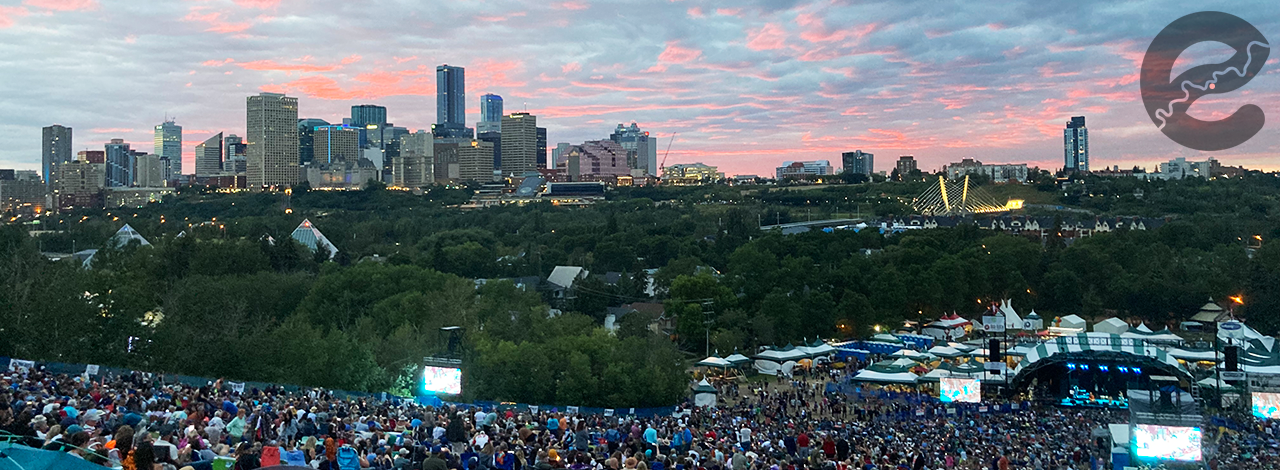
(780, 356)
(1011, 319)
(867, 375)
(704, 394)
(1071, 321)
(772, 368)
(1142, 328)
(910, 354)
(714, 361)
(736, 359)
(945, 351)
(1111, 325)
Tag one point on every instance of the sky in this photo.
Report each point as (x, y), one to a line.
(744, 85)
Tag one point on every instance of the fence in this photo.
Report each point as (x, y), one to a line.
(102, 371)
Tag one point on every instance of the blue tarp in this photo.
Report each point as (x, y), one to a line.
(21, 457)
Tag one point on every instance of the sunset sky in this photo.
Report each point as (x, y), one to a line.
(745, 84)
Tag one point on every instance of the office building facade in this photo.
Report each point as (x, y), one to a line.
(1075, 145)
(55, 149)
(306, 134)
(272, 134)
(168, 146)
(542, 148)
(149, 171)
(490, 114)
(234, 159)
(209, 156)
(80, 184)
(336, 144)
(998, 173)
(795, 170)
(906, 165)
(451, 105)
(365, 114)
(120, 164)
(519, 144)
(595, 160)
(642, 149)
(475, 161)
(858, 161)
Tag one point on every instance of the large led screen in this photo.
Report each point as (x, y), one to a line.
(442, 380)
(960, 391)
(1166, 442)
(1266, 405)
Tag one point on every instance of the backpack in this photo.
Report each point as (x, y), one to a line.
(348, 459)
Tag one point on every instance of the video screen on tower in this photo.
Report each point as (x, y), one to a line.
(1166, 442)
(442, 380)
(1266, 405)
(960, 390)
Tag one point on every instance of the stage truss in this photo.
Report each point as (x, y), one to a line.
(959, 198)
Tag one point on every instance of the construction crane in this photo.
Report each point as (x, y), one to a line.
(663, 166)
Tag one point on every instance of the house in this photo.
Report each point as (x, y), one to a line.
(562, 279)
(654, 310)
(1211, 314)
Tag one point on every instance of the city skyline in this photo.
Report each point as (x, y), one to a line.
(745, 87)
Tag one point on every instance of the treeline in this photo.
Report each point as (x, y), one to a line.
(267, 311)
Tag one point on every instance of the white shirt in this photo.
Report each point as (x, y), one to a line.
(744, 435)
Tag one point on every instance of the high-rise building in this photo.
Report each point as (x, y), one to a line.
(306, 131)
(642, 150)
(858, 161)
(998, 173)
(23, 191)
(593, 160)
(336, 144)
(234, 161)
(451, 106)
(168, 146)
(92, 156)
(80, 184)
(209, 156)
(149, 171)
(120, 164)
(365, 114)
(475, 161)
(906, 165)
(1075, 144)
(272, 134)
(55, 149)
(490, 114)
(495, 138)
(519, 143)
(542, 148)
(422, 145)
(557, 154)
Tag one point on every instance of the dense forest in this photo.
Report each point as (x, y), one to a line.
(223, 300)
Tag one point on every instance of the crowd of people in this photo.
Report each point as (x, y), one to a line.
(137, 422)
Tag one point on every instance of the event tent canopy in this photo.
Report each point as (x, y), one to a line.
(1071, 321)
(737, 359)
(714, 361)
(1111, 325)
(782, 355)
(945, 351)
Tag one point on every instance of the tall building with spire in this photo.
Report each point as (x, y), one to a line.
(272, 138)
(168, 146)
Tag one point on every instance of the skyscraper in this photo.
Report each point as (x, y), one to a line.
(365, 114)
(451, 105)
(519, 143)
(234, 162)
(209, 156)
(490, 113)
(542, 148)
(642, 150)
(306, 131)
(475, 161)
(272, 134)
(336, 144)
(168, 146)
(149, 171)
(120, 164)
(55, 149)
(858, 161)
(1075, 145)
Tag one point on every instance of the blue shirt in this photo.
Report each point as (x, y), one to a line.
(651, 436)
(553, 424)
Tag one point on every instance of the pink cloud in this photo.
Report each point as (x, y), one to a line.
(316, 86)
(570, 67)
(260, 4)
(729, 12)
(7, 14)
(695, 12)
(573, 5)
(63, 5)
(675, 54)
(216, 22)
(1049, 70)
(499, 18)
(271, 65)
(769, 37)
(815, 30)
(489, 73)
